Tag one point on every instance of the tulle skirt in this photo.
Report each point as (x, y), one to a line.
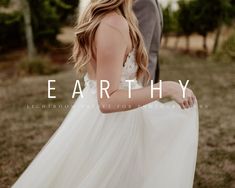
(154, 146)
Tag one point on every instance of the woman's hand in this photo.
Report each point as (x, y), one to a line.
(175, 91)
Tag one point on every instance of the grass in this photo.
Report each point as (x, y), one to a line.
(37, 66)
(213, 84)
(26, 128)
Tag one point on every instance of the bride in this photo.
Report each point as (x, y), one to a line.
(113, 140)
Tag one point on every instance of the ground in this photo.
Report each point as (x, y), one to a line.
(26, 124)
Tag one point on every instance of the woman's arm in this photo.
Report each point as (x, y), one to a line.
(111, 46)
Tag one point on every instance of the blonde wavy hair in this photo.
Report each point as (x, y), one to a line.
(86, 28)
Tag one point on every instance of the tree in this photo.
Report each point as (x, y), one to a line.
(28, 29)
(47, 17)
(168, 22)
(232, 9)
(11, 24)
(209, 16)
(186, 20)
(227, 17)
(4, 3)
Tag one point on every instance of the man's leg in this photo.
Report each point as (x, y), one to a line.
(157, 71)
(152, 65)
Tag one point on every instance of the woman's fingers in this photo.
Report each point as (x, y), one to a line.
(188, 101)
(186, 104)
(191, 102)
(182, 106)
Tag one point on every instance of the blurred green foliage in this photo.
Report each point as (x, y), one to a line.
(229, 46)
(227, 51)
(4, 2)
(11, 30)
(47, 17)
(169, 20)
(185, 18)
(209, 15)
(199, 16)
(202, 16)
(194, 16)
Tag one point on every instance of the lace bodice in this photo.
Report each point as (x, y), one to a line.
(128, 73)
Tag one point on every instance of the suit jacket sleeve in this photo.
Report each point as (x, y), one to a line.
(146, 12)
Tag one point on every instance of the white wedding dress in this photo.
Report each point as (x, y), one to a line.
(154, 146)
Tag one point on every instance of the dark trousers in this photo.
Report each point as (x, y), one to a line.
(157, 71)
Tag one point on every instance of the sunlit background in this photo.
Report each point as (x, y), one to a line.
(36, 38)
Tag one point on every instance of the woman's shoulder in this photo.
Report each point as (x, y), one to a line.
(116, 21)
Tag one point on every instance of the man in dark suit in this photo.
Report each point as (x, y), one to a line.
(149, 15)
